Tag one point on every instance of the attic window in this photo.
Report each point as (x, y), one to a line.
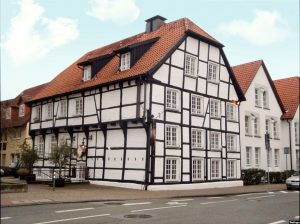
(125, 61)
(22, 110)
(87, 73)
(8, 113)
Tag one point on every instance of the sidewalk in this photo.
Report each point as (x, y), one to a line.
(43, 194)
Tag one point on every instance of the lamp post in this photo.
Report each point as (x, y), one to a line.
(267, 143)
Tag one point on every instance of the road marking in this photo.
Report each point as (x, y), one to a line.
(187, 199)
(64, 220)
(214, 197)
(214, 202)
(284, 192)
(176, 203)
(277, 222)
(2, 218)
(270, 192)
(296, 192)
(159, 208)
(140, 203)
(73, 210)
(261, 197)
(240, 195)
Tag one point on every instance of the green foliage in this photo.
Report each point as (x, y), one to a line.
(28, 156)
(280, 177)
(60, 156)
(252, 176)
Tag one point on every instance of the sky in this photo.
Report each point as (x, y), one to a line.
(40, 38)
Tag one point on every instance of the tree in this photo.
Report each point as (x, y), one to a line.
(60, 156)
(28, 156)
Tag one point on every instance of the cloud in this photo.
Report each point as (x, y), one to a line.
(266, 27)
(117, 11)
(32, 36)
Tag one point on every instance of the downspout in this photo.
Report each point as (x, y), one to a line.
(290, 140)
(147, 123)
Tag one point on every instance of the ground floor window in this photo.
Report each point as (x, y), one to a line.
(257, 156)
(172, 169)
(230, 168)
(197, 169)
(248, 156)
(215, 169)
(297, 160)
(276, 157)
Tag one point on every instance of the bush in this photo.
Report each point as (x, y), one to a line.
(252, 176)
(276, 177)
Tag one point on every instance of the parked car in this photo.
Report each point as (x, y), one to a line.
(1, 172)
(12, 169)
(293, 182)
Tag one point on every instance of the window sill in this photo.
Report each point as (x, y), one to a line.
(216, 118)
(172, 110)
(258, 106)
(257, 136)
(62, 117)
(197, 115)
(266, 108)
(232, 120)
(216, 150)
(248, 135)
(173, 147)
(198, 148)
(191, 76)
(276, 138)
(213, 82)
(48, 119)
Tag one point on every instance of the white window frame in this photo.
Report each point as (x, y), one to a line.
(197, 138)
(17, 132)
(39, 144)
(172, 139)
(197, 169)
(215, 169)
(276, 157)
(215, 108)
(247, 125)
(265, 96)
(49, 111)
(248, 156)
(22, 110)
(213, 72)
(297, 159)
(296, 130)
(87, 73)
(213, 137)
(190, 65)
(256, 126)
(125, 61)
(172, 169)
(257, 97)
(197, 104)
(172, 99)
(79, 106)
(275, 129)
(52, 143)
(231, 112)
(257, 153)
(63, 108)
(8, 113)
(231, 168)
(231, 142)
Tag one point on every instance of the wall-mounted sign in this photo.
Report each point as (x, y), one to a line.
(286, 150)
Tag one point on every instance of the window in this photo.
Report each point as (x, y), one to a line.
(79, 106)
(197, 105)
(172, 99)
(257, 156)
(3, 141)
(215, 140)
(296, 133)
(256, 126)
(248, 156)
(172, 136)
(53, 143)
(230, 168)
(269, 156)
(213, 73)
(276, 157)
(268, 130)
(231, 142)
(197, 169)
(22, 110)
(125, 61)
(247, 125)
(231, 111)
(8, 113)
(297, 160)
(214, 108)
(39, 145)
(172, 169)
(63, 108)
(87, 73)
(17, 133)
(36, 113)
(49, 111)
(190, 65)
(275, 129)
(197, 138)
(265, 99)
(257, 98)
(215, 169)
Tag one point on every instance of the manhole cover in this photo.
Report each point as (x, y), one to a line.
(113, 203)
(137, 216)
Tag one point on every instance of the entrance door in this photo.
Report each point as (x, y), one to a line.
(80, 174)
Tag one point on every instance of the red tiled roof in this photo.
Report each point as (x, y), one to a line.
(288, 90)
(169, 34)
(245, 73)
(22, 98)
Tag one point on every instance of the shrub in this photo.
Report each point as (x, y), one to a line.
(252, 176)
(276, 177)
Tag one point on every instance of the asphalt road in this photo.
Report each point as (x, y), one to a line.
(271, 207)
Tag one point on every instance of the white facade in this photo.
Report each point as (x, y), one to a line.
(261, 113)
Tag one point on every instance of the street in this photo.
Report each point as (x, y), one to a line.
(269, 207)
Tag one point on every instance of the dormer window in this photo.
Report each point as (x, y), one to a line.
(125, 61)
(22, 110)
(87, 73)
(8, 113)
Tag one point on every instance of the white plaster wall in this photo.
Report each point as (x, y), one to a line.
(111, 98)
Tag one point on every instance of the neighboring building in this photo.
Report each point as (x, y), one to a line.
(288, 90)
(157, 110)
(260, 114)
(15, 125)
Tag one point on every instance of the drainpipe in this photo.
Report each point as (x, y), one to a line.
(290, 140)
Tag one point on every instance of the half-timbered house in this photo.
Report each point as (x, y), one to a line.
(158, 110)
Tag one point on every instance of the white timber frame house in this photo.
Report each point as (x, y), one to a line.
(156, 111)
